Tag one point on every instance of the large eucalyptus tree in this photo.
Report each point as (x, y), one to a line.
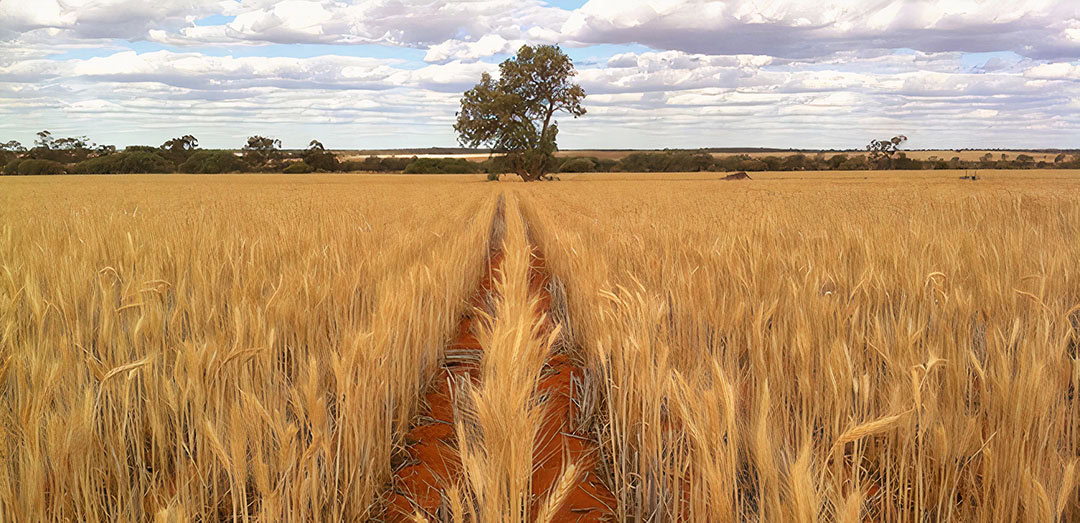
(514, 115)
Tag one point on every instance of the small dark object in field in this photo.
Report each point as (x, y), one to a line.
(741, 175)
(971, 177)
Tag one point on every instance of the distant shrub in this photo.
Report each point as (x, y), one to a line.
(751, 164)
(855, 163)
(298, 168)
(320, 160)
(125, 163)
(397, 164)
(350, 166)
(12, 167)
(212, 162)
(141, 149)
(605, 165)
(33, 167)
(578, 165)
(668, 161)
(376, 165)
(442, 166)
(904, 163)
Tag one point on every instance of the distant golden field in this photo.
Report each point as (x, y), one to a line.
(835, 346)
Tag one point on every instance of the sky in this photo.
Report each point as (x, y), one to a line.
(658, 74)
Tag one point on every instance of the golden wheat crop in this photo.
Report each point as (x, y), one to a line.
(205, 348)
(819, 350)
(800, 347)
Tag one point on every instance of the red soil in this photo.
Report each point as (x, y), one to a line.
(557, 444)
(432, 461)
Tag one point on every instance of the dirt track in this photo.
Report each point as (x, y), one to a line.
(431, 464)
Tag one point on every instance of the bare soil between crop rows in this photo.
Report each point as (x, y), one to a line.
(430, 464)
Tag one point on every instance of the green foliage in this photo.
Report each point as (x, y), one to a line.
(178, 150)
(397, 164)
(376, 165)
(855, 163)
(298, 168)
(605, 165)
(104, 150)
(514, 114)
(442, 166)
(319, 158)
(142, 149)
(882, 151)
(17, 148)
(262, 153)
(212, 162)
(798, 162)
(132, 162)
(12, 167)
(667, 161)
(36, 166)
(754, 164)
(493, 177)
(906, 164)
(578, 165)
(350, 166)
(586, 164)
(62, 150)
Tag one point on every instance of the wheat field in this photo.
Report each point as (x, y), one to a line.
(799, 347)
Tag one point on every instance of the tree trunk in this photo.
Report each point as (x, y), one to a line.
(534, 170)
(531, 176)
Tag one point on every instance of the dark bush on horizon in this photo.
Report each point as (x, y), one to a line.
(12, 166)
(667, 161)
(134, 162)
(375, 164)
(397, 164)
(212, 162)
(578, 165)
(142, 149)
(298, 168)
(442, 166)
(319, 159)
(34, 167)
(586, 164)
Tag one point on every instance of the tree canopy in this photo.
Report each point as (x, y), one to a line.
(262, 153)
(178, 150)
(883, 150)
(514, 114)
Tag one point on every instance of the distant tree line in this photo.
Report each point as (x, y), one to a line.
(78, 155)
(691, 161)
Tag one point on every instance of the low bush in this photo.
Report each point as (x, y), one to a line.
(578, 165)
(298, 168)
(12, 167)
(34, 167)
(442, 166)
(321, 160)
(141, 149)
(213, 162)
(126, 162)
